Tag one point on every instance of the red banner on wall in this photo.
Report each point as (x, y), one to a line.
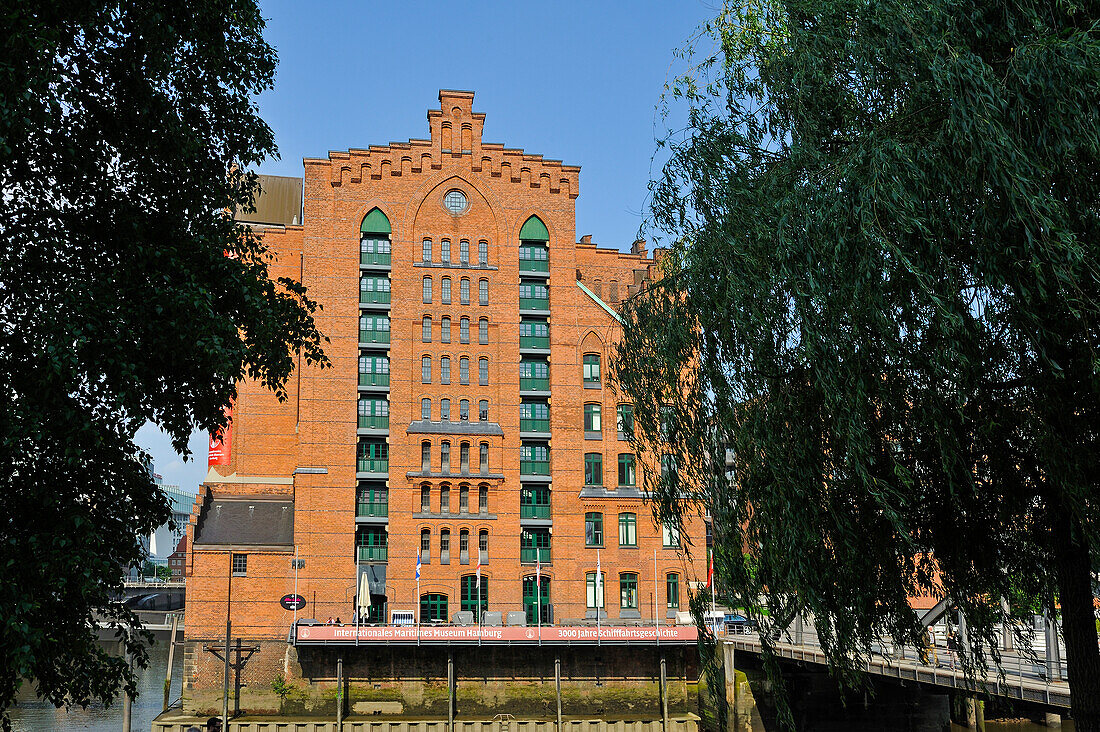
(221, 442)
(466, 634)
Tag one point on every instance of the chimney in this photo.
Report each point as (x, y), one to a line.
(638, 247)
(586, 239)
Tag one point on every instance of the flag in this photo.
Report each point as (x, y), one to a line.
(538, 569)
(477, 581)
(599, 583)
(710, 569)
(418, 565)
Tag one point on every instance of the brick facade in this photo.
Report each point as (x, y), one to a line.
(306, 446)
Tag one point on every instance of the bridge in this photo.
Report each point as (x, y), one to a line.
(1031, 676)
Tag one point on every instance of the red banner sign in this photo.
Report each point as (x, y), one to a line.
(404, 634)
(220, 443)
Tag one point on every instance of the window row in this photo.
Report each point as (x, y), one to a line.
(425, 552)
(593, 469)
(444, 495)
(463, 370)
(445, 457)
(593, 419)
(374, 289)
(445, 410)
(463, 330)
(463, 291)
(628, 590)
(463, 252)
(628, 531)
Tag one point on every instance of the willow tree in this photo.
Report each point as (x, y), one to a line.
(127, 294)
(882, 295)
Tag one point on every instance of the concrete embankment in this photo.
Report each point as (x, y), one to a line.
(177, 722)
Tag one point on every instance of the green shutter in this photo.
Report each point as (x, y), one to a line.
(534, 230)
(376, 222)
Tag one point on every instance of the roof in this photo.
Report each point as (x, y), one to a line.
(246, 521)
(181, 547)
(278, 202)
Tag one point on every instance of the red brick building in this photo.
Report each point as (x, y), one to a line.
(467, 415)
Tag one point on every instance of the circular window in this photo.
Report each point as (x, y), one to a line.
(455, 201)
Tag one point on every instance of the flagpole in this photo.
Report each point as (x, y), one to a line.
(599, 592)
(418, 597)
(656, 588)
(538, 592)
(479, 608)
(358, 591)
(712, 583)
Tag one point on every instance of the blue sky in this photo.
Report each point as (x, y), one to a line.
(574, 81)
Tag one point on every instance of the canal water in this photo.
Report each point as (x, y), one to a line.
(32, 714)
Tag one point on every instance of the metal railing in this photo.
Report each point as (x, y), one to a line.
(534, 511)
(527, 554)
(372, 553)
(373, 379)
(534, 467)
(373, 465)
(531, 341)
(534, 303)
(534, 383)
(372, 508)
(374, 422)
(534, 424)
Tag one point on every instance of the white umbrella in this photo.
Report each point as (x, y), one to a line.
(364, 594)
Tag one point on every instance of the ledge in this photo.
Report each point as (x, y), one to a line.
(425, 427)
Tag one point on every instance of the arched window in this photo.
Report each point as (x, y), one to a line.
(426, 251)
(426, 370)
(483, 499)
(591, 370)
(374, 239)
(464, 371)
(464, 546)
(445, 409)
(672, 591)
(483, 410)
(483, 292)
(593, 425)
(445, 329)
(483, 544)
(464, 252)
(483, 253)
(425, 498)
(445, 293)
(483, 458)
(426, 409)
(425, 458)
(445, 251)
(628, 590)
(426, 329)
(445, 370)
(483, 331)
(464, 330)
(445, 498)
(427, 290)
(445, 456)
(445, 546)
(464, 457)
(464, 291)
(483, 371)
(426, 546)
(464, 498)
(464, 410)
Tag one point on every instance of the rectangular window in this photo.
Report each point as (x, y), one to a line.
(592, 418)
(628, 529)
(593, 529)
(240, 565)
(464, 252)
(626, 468)
(624, 421)
(445, 330)
(628, 591)
(426, 330)
(593, 468)
(483, 253)
(464, 292)
(670, 536)
(483, 331)
(483, 372)
(474, 597)
(594, 584)
(426, 252)
(464, 371)
(591, 369)
(672, 591)
(427, 289)
(483, 292)
(445, 294)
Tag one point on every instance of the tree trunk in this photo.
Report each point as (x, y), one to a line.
(1074, 568)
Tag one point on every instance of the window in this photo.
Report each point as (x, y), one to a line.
(445, 456)
(464, 410)
(464, 547)
(372, 456)
(475, 598)
(240, 565)
(533, 295)
(483, 544)
(433, 607)
(445, 251)
(670, 535)
(483, 253)
(374, 289)
(534, 333)
(483, 499)
(425, 409)
(628, 529)
(464, 371)
(445, 546)
(594, 584)
(672, 590)
(445, 329)
(425, 498)
(426, 456)
(374, 329)
(592, 418)
(464, 457)
(445, 498)
(426, 370)
(593, 529)
(374, 413)
(426, 329)
(624, 421)
(427, 289)
(483, 410)
(613, 290)
(455, 201)
(464, 498)
(626, 468)
(445, 410)
(591, 369)
(464, 291)
(668, 465)
(534, 459)
(593, 468)
(464, 252)
(445, 295)
(483, 331)
(483, 459)
(426, 251)
(628, 591)
(374, 371)
(426, 546)
(483, 292)
(464, 330)
(483, 371)
(445, 370)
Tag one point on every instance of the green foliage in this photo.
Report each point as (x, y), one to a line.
(129, 295)
(882, 295)
(282, 688)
